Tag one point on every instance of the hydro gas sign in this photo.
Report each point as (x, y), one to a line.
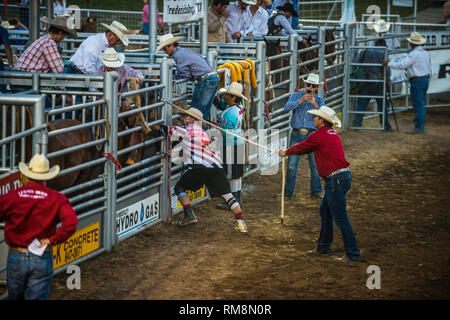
(137, 215)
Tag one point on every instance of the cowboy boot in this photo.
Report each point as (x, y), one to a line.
(189, 217)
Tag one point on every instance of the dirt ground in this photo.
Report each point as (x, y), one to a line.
(398, 205)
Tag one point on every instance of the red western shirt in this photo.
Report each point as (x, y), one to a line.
(328, 151)
(33, 212)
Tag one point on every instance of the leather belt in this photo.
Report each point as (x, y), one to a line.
(412, 78)
(25, 250)
(303, 131)
(76, 68)
(336, 172)
(206, 75)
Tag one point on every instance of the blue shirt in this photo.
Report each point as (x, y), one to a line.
(4, 36)
(231, 120)
(190, 65)
(300, 117)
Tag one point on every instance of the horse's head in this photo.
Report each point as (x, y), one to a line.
(273, 47)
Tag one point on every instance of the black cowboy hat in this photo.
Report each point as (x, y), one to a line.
(288, 7)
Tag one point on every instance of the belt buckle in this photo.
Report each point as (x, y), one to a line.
(303, 131)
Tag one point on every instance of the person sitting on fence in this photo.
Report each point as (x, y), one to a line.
(257, 25)
(15, 24)
(373, 88)
(302, 124)
(293, 20)
(233, 155)
(32, 213)
(59, 7)
(191, 65)
(238, 19)
(418, 66)
(381, 27)
(4, 40)
(85, 60)
(217, 16)
(113, 61)
(278, 24)
(203, 167)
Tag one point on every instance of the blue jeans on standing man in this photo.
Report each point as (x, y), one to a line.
(204, 93)
(315, 186)
(334, 209)
(29, 276)
(418, 89)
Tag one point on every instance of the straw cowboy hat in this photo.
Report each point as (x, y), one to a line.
(119, 30)
(328, 114)
(251, 2)
(111, 58)
(39, 168)
(234, 89)
(288, 7)
(381, 26)
(313, 79)
(63, 24)
(193, 112)
(416, 38)
(167, 40)
(6, 25)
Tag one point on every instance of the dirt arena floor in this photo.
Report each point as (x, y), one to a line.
(398, 205)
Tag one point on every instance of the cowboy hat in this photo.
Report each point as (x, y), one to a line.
(288, 7)
(327, 114)
(381, 26)
(119, 30)
(111, 58)
(193, 112)
(6, 25)
(234, 89)
(63, 24)
(251, 2)
(313, 79)
(39, 168)
(166, 40)
(416, 38)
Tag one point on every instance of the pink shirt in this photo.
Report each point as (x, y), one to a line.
(145, 14)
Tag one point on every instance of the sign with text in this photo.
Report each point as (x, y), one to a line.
(137, 215)
(81, 243)
(182, 11)
(11, 181)
(193, 196)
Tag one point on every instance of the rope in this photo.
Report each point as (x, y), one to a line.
(109, 155)
(169, 166)
(283, 174)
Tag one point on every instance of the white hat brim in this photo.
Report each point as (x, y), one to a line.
(123, 37)
(319, 84)
(334, 120)
(168, 42)
(53, 172)
(224, 90)
(385, 29)
(113, 64)
(420, 42)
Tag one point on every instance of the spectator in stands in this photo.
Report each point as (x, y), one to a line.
(217, 16)
(85, 60)
(381, 27)
(238, 19)
(15, 24)
(302, 123)
(24, 11)
(373, 88)
(59, 7)
(146, 18)
(418, 66)
(293, 20)
(4, 40)
(191, 65)
(31, 214)
(279, 25)
(258, 20)
(267, 5)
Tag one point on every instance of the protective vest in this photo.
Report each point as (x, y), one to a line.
(274, 29)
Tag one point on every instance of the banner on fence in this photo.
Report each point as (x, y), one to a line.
(193, 196)
(81, 243)
(11, 181)
(137, 215)
(182, 11)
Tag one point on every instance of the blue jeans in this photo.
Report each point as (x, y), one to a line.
(29, 276)
(146, 28)
(418, 89)
(204, 93)
(334, 208)
(291, 176)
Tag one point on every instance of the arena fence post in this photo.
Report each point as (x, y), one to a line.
(261, 91)
(347, 58)
(35, 82)
(110, 89)
(40, 138)
(293, 46)
(321, 32)
(204, 29)
(153, 29)
(166, 79)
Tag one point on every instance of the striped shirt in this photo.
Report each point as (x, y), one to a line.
(41, 56)
(300, 117)
(197, 148)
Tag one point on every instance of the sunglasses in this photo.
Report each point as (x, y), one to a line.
(314, 86)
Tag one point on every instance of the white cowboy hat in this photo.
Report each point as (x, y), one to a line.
(193, 112)
(251, 2)
(234, 89)
(416, 38)
(119, 30)
(328, 114)
(381, 26)
(39, 168)
(313, 79)
(166, 40)
(6, 25)
(111, 58)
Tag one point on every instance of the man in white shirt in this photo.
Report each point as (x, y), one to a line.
(238, 19)
(258, 21)
(278, 23)
(85, 60)
(418, 66)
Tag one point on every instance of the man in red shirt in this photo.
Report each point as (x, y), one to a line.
(32, 213)
(334, 169)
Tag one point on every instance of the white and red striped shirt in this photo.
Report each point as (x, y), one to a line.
(197, 148)
(41, 56)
